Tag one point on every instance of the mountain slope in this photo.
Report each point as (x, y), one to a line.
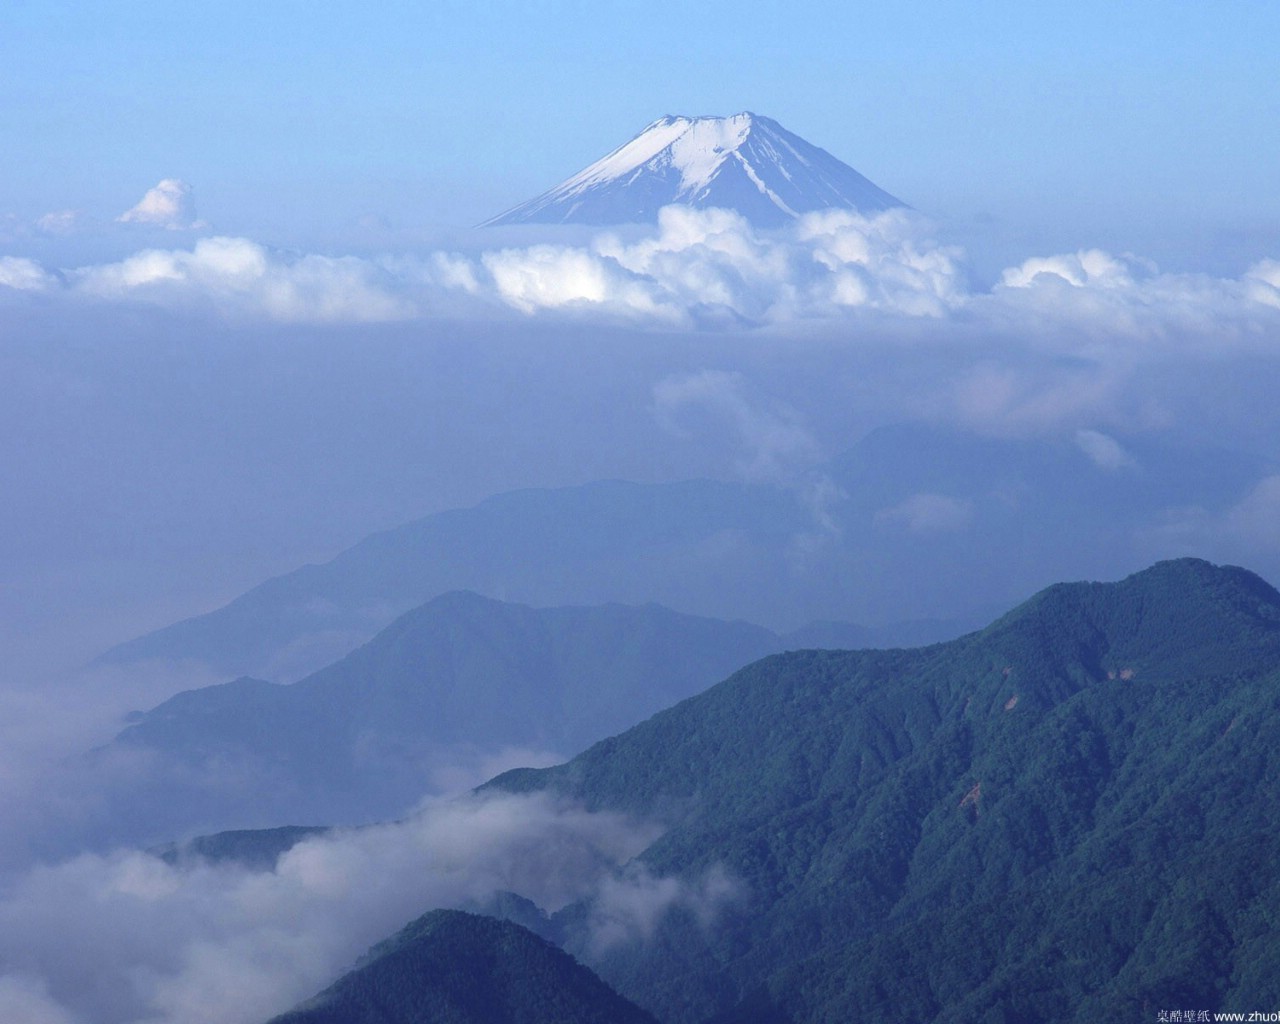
(1064, 817)
(436, 695)
(746, 163)
(450, 967)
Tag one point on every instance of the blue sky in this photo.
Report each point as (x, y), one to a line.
(1145, 126)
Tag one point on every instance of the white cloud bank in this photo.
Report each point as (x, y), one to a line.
(129, 939)
(696, 269)
(1105, 297)
(709, 267)
(243, 278)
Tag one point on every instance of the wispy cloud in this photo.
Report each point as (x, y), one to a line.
(1011, 397)
(1105, 451)
(927, 513)
(767, 438)
(60, 222)
(1262, 283)
(1256, 518)
(27, 999)
(628, 906)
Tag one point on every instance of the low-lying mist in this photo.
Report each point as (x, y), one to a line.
(127, 937)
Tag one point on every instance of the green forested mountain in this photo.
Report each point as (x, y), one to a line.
(450, 967)
(1068, 816)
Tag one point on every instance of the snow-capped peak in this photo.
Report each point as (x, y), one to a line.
(744, 162)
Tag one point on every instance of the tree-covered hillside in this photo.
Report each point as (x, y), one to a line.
(450, 967)
(1068, 816)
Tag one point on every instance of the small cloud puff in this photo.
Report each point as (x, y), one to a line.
(169, 205)
(1103, 450)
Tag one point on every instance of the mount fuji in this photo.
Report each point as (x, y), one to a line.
(746, 163)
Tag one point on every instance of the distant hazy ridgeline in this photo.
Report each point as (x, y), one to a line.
(919, 532)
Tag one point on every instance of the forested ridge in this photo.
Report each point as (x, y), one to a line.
(1064, 817)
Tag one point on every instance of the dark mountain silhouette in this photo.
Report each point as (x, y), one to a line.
(450, 967)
